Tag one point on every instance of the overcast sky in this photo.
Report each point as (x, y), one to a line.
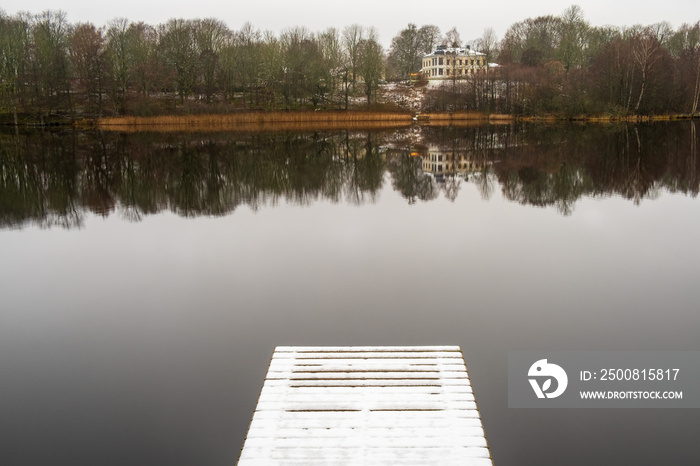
(387, 16)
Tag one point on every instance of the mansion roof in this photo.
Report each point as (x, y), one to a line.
(444, 50)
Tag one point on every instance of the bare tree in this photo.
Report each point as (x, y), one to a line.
(14, 43)
(371, 66)
(406, 52)
(533, 41)
(240, 65)
(88, 55)
(452, 38)
(646, 54)
(409, 47)
(332, 51)
(142, 42)
(487, 44)
(50, 32)
(178, 51)
(303, 66)
(685, 46)
(117, 46)
(352, 37)
(573, 34)
(210, 36)
(429, 37)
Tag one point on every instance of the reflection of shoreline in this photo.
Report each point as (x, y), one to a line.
(54, 178)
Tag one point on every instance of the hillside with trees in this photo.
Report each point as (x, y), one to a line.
(51, 69)
(562, 65)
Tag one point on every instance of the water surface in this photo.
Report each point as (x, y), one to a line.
(146, 279)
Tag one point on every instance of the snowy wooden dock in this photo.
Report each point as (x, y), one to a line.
(366, 406)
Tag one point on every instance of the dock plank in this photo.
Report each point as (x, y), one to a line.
(366, 405)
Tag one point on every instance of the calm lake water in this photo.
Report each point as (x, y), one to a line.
(146, 279)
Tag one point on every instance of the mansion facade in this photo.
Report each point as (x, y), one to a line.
(447, 63)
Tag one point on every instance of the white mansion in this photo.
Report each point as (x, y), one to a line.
(446, 62)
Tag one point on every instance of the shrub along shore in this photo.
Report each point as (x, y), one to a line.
(304, 120)
(258, 120)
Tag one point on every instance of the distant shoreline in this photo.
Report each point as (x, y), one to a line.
(253, 121)
(328, 120)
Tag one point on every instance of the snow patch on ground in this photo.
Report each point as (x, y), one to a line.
(403, 95)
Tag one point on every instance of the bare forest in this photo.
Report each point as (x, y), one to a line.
(54, 70)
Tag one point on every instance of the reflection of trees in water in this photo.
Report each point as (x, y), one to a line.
(37, 182)
(366, 167)
(636, 161)
(535, 187)
(682, 175)
(555, 166)
(450, 186)
(484, 181)
(51, 179)
(409, 179)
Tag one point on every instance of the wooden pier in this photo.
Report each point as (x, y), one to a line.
(366, 406)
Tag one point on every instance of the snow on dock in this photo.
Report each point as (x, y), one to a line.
(366, 406)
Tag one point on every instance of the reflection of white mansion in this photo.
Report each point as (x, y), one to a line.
(446, 62)
(440, 162)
